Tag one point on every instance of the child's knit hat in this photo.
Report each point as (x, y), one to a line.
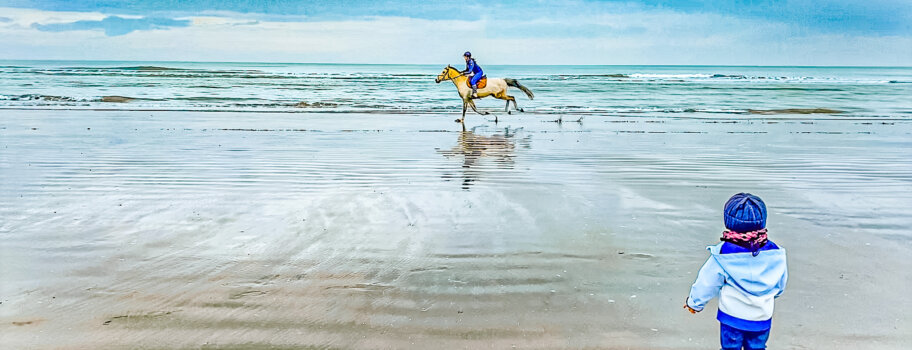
(744, 212)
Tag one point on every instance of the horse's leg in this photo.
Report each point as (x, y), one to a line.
(472, 104)
(513, 99)
(503, 96)
(515, 106)
(464, 106)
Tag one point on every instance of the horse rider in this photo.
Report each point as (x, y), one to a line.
(473, 72)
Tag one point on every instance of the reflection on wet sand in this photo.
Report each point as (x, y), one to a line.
(473, 148)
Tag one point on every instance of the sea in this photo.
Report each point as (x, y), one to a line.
(290, 87)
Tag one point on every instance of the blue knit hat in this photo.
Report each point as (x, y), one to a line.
(744, 212)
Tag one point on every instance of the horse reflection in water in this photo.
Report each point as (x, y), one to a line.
(474, 148)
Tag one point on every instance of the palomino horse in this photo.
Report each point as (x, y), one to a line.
(496, 87)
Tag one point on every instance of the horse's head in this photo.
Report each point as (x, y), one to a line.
(448, 73)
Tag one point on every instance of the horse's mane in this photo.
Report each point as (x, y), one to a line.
(449, 67)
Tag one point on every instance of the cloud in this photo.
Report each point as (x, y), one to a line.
(5, 19)
(629, 37)
(114, 25)
(869, 17)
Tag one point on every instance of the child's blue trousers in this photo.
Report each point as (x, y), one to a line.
(736, 339)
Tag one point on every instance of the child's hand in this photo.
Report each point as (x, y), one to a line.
(692, 311)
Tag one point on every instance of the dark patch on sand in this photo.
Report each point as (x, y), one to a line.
(795, 111)
(304, 104)
(251, 293)
(116, 99)
(139, 317)
(637, 256)
(363, 287)
(27, 323)
(225, 304)
(429, 269)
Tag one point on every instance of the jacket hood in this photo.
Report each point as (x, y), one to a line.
(755, 275)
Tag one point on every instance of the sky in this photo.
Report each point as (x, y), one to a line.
(685, 32)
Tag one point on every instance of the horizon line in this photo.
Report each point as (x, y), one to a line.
(428, 64)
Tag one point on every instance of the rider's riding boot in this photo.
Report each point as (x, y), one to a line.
(474, 91)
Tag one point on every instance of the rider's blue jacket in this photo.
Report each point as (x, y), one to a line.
(472, 68)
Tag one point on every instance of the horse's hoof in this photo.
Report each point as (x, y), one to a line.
(522, 110)
(510, 112)
(458, 120)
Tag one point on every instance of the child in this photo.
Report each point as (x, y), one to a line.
(746, 271)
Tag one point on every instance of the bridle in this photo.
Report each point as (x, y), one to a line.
(448, 77)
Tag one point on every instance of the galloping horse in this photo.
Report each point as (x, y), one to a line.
(496, 87)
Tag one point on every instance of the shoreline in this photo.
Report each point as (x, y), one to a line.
(747, 116)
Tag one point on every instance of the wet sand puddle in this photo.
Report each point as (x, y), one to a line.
(196, 230)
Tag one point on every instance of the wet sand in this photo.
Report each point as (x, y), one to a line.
(180, 230)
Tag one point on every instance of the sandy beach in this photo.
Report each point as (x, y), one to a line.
(193, 230)
(424, 175)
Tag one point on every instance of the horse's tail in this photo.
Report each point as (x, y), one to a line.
(516, 84)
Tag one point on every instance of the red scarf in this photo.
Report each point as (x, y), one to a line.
(753, 240)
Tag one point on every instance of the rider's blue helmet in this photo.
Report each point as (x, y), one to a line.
(467, 54)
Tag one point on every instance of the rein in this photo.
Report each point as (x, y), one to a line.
(448, 75)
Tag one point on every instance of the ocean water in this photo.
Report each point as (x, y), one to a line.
(208, 212)
(662, 90)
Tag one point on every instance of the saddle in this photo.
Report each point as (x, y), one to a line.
(481, 82)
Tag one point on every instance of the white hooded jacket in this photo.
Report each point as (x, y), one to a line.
(746, 284)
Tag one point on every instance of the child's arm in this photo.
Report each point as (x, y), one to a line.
(782, 282)
(709, 281)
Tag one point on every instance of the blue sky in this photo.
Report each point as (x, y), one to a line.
(795, 32)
